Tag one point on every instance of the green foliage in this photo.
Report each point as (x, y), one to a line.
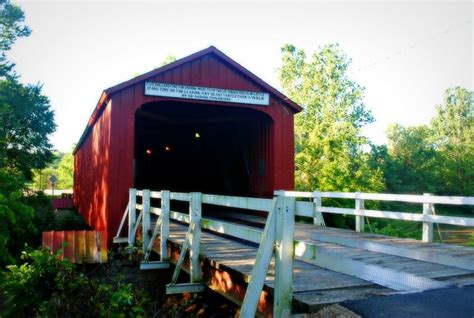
(22, 217)
(12, 27)
(16, 218)
(44, 219)
(62, 167)
(26, 286)
(46, 286)
(397, 228)
(26, 120)
(65, 172)
(453, 130)
(329, 142)
(41, 178)
(436, 158)
(412, 161)
(168, 59)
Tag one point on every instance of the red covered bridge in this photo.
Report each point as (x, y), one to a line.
(202, 123)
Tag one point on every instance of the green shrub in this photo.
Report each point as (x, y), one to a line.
(44, 212)
(25, 287)
(47, 286)
(16, 226)
(398, 228)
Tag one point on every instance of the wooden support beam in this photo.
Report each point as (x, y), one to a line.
(359, 219)
(427, 233)
(184, 288)
(318, 218)
(118, 240)
(154, 265)
(284, 237)
(182, 255)
(122, 222)
(165, 224)
(260, 268)
(146, 236)
(195, 211)
(132, 201)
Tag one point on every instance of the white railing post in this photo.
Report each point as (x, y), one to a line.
(318, 218)
(428, 209)
(165, 224)
(284, 251)
(260, 267)
(132, 215)
(146, 218)
(195, 237)
(359, 219)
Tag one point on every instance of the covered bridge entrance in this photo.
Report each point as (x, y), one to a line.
(203, 123)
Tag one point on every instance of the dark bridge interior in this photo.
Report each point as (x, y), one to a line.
(206, 148)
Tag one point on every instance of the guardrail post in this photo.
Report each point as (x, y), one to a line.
(146, 218)
(195, 237)
(260, 267)
(428, 209)
(165, 224)
(132, 215)
(318, 218)
(284, 251)
(359, 219)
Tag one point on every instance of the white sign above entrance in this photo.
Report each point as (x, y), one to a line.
(206, 93)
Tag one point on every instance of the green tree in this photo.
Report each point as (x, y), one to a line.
(168, 59)
(412, 164)
(16, 218)
(66, 172)
(329, 145)
(41, 178)
(12, 27)
(26, 121)
(453, 130)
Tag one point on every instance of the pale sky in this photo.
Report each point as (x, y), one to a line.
(405, 54)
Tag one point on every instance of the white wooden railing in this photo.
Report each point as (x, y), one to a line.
(428, 201)
(277, 238)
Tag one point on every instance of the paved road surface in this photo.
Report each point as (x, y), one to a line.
(441, 303)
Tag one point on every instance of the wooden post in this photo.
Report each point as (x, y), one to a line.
(318, 218)
(146, 219)
(284, 242)
(428, 209)
(165, 224)
(195, 237)
(260, 268)
(359, 219)
(132, 215)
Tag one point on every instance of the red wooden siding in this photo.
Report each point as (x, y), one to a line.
(77, 246)
(91, 174)
(104, 156)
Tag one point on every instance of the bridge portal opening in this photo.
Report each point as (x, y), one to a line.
(189, 147)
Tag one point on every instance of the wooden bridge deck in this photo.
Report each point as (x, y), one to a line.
(348, 265)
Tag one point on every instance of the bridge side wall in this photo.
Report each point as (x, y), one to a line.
(92, 172)
(117, 140)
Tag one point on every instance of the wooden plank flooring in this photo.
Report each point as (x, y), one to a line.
(315, 286)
